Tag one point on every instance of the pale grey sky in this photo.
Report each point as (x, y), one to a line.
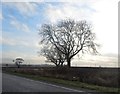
(21, 20)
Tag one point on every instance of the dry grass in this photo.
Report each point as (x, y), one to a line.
(97, 76)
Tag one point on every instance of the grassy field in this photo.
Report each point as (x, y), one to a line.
(88, 78)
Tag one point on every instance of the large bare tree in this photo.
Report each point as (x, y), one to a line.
(69, 37)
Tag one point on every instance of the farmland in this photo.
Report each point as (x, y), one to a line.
(92, 75)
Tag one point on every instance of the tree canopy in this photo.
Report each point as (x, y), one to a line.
(67, 38)
(18, 61)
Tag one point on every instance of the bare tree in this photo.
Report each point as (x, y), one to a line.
(54, 55)
(69, 37)
(18, 61)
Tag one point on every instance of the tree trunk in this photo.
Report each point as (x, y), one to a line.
(62, 63)
(69, 62)
(18, 66)
(56, 64)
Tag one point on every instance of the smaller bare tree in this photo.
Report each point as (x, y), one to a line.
(53, 55)
(18, 61)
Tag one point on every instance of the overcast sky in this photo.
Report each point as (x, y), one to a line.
(21, 20)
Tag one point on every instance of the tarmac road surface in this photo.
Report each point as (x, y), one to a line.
(12, 83)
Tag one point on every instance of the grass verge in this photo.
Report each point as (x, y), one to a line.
(72, 84)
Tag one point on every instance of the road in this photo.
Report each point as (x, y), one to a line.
(12, 83)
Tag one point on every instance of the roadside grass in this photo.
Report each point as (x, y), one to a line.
(72, 84)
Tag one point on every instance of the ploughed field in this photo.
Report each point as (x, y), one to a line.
(108, 77)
